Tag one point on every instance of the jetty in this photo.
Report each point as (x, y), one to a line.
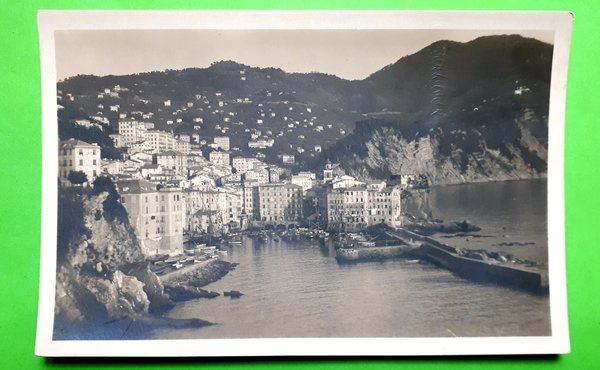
(479, 265)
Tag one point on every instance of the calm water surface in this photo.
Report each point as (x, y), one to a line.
(299, 290)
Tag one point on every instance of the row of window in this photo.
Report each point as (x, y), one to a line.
(65, 173)
(94, 163)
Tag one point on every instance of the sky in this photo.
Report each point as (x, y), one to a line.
(349, 54)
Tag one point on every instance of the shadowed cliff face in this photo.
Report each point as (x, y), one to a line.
(445, 156)
(101, 272)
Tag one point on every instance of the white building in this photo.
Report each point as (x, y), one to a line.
(76, 155)
(132, 131)
(222, 142)
(305, 180)
(219, 158)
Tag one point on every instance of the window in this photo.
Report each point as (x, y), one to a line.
(94, 162)
(70, 162)
(81, 162)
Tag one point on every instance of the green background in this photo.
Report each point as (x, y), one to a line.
(20, 184)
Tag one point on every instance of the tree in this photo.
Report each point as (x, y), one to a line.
(112, 207)
(77, 177)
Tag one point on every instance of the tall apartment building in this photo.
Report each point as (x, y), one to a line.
(159, 141)
(157, 216)
(250, 205)
(356, 207)
(172, 160)
(77, 155)
(225, 206)
(280, 202)
(131, 132)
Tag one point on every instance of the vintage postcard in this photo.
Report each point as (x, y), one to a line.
(267, 183)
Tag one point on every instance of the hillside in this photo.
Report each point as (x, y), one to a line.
(465, 113)
(455, 112)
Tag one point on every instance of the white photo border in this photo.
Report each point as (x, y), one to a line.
(559, 22)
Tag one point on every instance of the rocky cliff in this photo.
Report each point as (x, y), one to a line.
(445, 156)
(102, 277)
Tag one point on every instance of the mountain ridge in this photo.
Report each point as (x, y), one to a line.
(479, 105)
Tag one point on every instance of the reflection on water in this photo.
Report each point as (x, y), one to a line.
(299, 290)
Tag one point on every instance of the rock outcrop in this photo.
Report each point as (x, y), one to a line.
(102, 275)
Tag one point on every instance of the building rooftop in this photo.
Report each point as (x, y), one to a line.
(72, 143)
(169, 153)
(135, 187)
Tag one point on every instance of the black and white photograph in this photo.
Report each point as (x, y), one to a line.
(364, 181)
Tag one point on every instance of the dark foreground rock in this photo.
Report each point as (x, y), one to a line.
(104, 287)
(124, 328)
(233, 294)
(204, 275)
(181, 292)
(160, 301)
(434, 227)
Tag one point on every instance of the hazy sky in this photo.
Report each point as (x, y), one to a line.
(353, 54)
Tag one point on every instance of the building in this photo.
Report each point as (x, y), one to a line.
(346, 181)
(303, 179)
(148, 170)
(226, 203)
(219, 158)
(328, 172)
(131, 131)
(384, 204)
(260, 175)
(243, 164)
(157, 216)
(172, 160)
(182, 146)
(288, 159)
(159, 141)
(250, 205)
(279, 202)
(76, 155)
(222, 142)
(357, 207)
(261, 143)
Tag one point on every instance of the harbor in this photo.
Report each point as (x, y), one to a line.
(287, 284)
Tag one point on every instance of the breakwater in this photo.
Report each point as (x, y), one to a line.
(477, 265)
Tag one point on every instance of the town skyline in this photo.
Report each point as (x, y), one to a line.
(124, 52)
